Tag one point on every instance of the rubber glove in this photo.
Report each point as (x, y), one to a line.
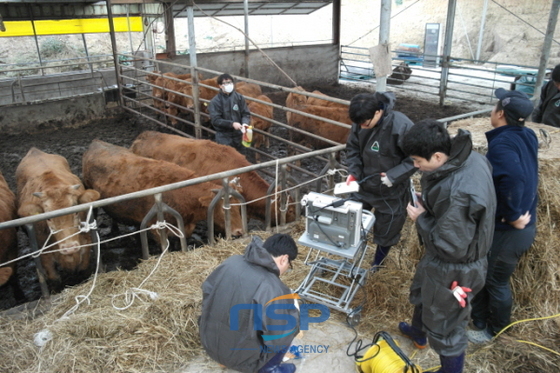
(460, 293)
(349, 179)
(386, 181)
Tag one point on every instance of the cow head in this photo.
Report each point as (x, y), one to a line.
(275, 210)
(219, 214)
(188, 91)
(64, 228)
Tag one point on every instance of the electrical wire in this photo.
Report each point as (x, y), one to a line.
(529, 342)
(383, 355)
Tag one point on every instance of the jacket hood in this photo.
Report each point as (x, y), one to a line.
(388, 99)
(256, 254)
(461, 147)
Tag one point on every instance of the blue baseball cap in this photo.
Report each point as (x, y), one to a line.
(515, 103)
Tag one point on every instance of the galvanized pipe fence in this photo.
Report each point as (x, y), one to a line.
(467, 80)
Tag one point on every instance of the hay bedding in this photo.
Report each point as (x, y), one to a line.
(162, 335)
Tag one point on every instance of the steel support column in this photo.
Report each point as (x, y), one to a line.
(449, 25)
(384, 30)
(552, 20)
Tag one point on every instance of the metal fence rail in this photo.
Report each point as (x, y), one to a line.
(468, 80)
(24, 85)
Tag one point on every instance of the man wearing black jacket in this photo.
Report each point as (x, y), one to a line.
(229, 113)
(235, 327)
(376, 160)
(548, 110)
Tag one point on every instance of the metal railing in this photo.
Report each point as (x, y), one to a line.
(30, 83)
(470, 81)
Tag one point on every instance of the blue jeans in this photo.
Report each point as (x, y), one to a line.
(491, 307)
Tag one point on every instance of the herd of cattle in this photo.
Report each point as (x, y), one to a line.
(45, 183)
(173, 94)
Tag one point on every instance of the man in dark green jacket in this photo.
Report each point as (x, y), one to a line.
(455, 221)
(229, 113)
(376, 160)
(235, 328)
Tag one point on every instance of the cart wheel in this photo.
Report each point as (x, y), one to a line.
(354, 318)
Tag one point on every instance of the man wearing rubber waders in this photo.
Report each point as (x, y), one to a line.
(454, 219)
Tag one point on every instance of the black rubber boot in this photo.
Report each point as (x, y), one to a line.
(380, 255)
(414, 330)
(451, 364)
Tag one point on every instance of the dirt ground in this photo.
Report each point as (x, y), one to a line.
(121, 129)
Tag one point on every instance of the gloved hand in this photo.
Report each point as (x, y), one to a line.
(460, 293)
(349, 179)
(386, 181)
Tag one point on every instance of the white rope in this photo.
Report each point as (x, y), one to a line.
(134, 293)
(43, 336)
(82, 298)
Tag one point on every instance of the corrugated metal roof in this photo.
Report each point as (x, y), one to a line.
(219, 9)
(19, 10)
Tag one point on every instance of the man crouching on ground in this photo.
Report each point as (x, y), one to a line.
(236, 294)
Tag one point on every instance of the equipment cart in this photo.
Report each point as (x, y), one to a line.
(337, 227)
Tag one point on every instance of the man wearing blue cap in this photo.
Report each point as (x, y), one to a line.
(512, 151)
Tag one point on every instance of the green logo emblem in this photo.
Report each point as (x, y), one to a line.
(375, 146)
(235, 107)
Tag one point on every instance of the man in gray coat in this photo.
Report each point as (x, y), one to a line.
(229, 113)
(235, 327)
(455, 222)
(376, 160)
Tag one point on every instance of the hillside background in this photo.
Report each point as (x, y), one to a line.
(513, 32)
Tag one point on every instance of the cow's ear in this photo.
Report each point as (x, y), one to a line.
(29, 209)
(89, 195)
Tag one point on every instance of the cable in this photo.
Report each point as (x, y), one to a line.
(383, 356)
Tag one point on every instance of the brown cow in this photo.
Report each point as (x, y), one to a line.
(163, 85)
(205, 93)
(294, 101)
(45, 183)
(321, 128)
(208, 157)
(321, 102)
(259, 123)
(8, 236)
(113, 171)
(248, 89)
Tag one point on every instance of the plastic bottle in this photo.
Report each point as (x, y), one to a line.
(247, 137)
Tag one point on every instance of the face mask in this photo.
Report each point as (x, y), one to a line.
(228, 88)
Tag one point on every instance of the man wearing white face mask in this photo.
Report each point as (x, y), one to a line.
(229, 113)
